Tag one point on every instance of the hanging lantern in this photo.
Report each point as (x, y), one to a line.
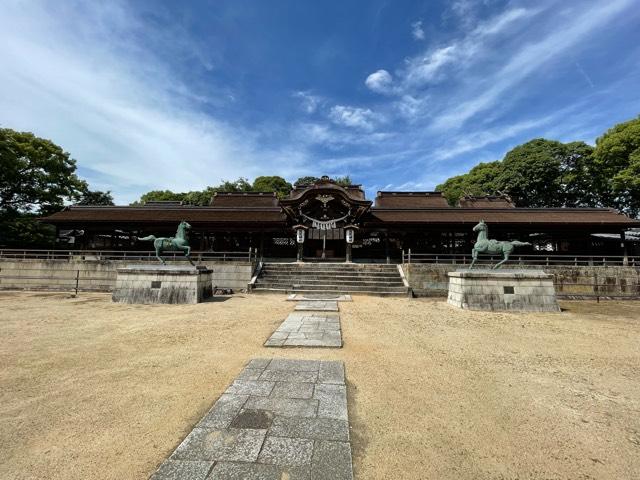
(300, 235)
(348, 235)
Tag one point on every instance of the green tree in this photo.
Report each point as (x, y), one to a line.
(306, 181)
(160, 196)
(240, 185)
(617, 157)
(538, 173)
(200, 197)
(96, 198)
(532, 174)
(36, 175)
(272, 184)
(343, 181)
(481, 180)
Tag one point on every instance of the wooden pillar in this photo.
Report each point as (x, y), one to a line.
(386, 247)
(625, 255)
(261, 253)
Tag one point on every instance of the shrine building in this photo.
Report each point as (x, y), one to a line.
(326, 221)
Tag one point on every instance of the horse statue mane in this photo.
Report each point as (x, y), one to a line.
(494, 247)
(179, 242)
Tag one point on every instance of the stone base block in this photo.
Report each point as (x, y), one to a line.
(171, 284)
(511, 290)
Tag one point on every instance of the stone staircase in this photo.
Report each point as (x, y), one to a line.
(336, 278)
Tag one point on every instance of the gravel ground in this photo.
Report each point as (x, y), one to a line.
(91, 389)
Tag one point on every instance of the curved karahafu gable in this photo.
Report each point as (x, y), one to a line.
(325, 205)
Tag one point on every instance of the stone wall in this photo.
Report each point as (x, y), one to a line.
(100, 275)
(431, 280)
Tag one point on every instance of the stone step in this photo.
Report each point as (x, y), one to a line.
(336, 288)
(376, 293)
(267, 281)
(368, 279)
(332, 267)
(330, 276)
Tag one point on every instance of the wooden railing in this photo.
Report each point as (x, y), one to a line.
(248, 255)
(540, 260)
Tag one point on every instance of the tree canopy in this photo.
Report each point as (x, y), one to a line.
(36, 175)
(548, 173)
(617, 160)
(272, 184)
(96, 197)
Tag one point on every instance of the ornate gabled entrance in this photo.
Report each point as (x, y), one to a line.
(325, 217)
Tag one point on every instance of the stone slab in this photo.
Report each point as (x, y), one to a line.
(317, 306)
(277, 436)
(297, 297)
(183, 470)
(303, 330)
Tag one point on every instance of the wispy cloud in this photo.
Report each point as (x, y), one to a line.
(355, 117)
(416, 30)
(527, 60)
(308, 101)
(430, 66)
(122, 113)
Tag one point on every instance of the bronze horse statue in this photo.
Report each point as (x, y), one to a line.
(179, 242)
(493, 247)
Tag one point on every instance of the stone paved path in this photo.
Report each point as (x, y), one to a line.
(280, 419)
(301, 329)
(317, 306)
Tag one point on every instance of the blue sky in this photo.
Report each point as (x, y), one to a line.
(397, 94)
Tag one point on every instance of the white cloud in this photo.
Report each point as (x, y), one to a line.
(527, 60)
(380, 81)
(417, 31)
(361, 118)
(73, 73)
(459, 53)
(308, 101)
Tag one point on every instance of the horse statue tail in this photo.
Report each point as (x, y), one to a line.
(517, 243)
(149, 238)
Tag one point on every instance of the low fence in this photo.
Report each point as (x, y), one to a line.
(95, 271)
(127, 255)
(535, 260)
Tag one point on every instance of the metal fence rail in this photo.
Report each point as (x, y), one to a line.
(540, 260)
(129, 255)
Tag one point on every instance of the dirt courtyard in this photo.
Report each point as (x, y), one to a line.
(91, 389)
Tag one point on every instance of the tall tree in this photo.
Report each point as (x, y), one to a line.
(306, 181)
(617, 157)
(240, 185)
(36, 175)
(481, 180)
(532, 174)
(96, 197)
(272, 184)
(538, 173)
(160, 196)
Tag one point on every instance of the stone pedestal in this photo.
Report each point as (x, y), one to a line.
(173, 284)
(510, 290)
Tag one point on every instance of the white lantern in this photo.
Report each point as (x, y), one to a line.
(349, 235)
(300, 235)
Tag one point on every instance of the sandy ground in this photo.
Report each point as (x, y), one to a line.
(89, 389)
